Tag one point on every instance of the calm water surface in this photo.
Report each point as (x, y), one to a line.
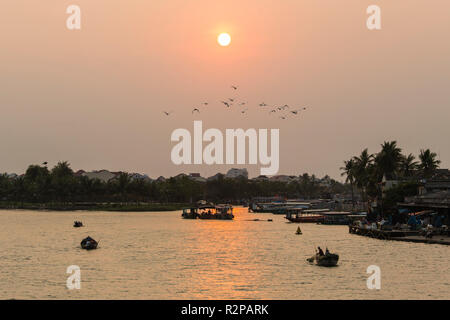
(160, 256)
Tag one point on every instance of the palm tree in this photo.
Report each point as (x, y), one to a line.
(363, 164)
(62, 181)
(349, 171)
(408, 165)
(123, 181)
(388, 160)
(428, 162)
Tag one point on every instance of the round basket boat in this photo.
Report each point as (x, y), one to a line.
(327, 260)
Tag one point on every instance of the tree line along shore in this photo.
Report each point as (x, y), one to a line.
(59, 188)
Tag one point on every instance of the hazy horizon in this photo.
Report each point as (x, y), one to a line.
(95, 96)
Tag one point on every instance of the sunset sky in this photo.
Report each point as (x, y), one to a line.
(95, 96)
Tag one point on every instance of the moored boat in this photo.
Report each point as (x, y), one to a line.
(209, 212)
(88, 243)
(190, 213)
(219, 212)
(300, 216)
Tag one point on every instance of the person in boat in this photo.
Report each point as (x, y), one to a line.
(327, 252)
(320, 251)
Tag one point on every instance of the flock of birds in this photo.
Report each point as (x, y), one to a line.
(286, 110)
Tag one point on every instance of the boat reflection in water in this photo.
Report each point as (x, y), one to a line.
(209, 212)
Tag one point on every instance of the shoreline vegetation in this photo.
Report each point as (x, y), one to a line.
(367, 177)
(92, 206)
(60, 188)
(386, 178)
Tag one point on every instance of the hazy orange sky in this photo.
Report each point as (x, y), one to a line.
(95, 96)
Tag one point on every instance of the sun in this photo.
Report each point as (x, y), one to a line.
(224, 39)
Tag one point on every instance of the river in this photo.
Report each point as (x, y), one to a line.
(158, 255)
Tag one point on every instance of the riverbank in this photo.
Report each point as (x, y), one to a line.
(399, 235)
(94, 206)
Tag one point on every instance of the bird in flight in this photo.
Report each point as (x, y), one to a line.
(226, 104)
(167, 113)
(283, 118)
(271, 111)
(234, 87)
(297, 111)
(232, 100)
(263, 105)
(45, 163)
(195, 110)
(244, 111)
(205, 103)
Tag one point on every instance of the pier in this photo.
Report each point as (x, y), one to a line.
(399, 235)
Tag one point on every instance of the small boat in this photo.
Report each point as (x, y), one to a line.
(303, 216)
(89, 243)
(299, 231)
(326, 260)
(218, 212)
(209, 212)
(77, 224)
(190, 213)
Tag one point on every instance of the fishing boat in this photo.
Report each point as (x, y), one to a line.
(77, 224)
(219, 212)
(299, 231)
(209, 212)
(326, 260)
(303, 216)
(190, 213)
(88, 243)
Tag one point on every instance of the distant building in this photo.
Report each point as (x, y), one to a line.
(198, 179)
(102, 175)
(325, 182)
(283, 178)
(79, 173)
(388, 184)
(180, 176)
(440, 181)
(235, 173)
(161, 179)
(138, 176)
(215, 177)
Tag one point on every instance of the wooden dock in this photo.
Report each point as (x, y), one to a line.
(399, 235)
